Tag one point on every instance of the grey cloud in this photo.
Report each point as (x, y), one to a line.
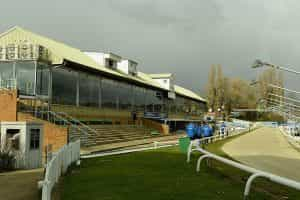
(182, 37)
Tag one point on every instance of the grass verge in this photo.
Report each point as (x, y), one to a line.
(163, 174)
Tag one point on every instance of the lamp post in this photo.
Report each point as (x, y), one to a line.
(259, 63)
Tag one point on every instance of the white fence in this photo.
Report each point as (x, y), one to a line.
(196, 143)
(292, 139)
(58, 165)
(255, 173)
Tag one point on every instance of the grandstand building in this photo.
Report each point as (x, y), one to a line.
(91, 87)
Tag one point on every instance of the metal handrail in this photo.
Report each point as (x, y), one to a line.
(255, 172)
(57, 116)
(67, 122)
(77, 121)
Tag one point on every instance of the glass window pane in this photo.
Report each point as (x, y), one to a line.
(25, 72)
(109, 93)
(88, 90)
(64, 86)
(158, 101)
(42, 79)
(6, 70)
(139, 98)
(125, 96)
(34, 138)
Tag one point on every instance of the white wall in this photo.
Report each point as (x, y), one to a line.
(164, 82)
(26, 158)
(123, 66)
(97, 57)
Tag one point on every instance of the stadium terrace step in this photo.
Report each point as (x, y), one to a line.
(108, 141)
(103, 134)
(121, 135)
(107, 134)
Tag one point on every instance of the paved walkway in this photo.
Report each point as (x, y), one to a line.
(268, 150)
(20, 185)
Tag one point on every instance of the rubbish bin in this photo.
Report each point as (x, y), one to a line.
(184, 144)
(190, 130)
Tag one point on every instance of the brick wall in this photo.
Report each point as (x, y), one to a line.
(8, 105)
(162, 128)
(53, 134)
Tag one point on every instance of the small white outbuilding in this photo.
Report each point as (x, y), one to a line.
(25, 140)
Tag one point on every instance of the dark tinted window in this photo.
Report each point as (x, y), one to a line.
(34, 138)
(42, 79)
(88, 90)
(64, 86)
(125, 96)
(139, 98)
(109, 93)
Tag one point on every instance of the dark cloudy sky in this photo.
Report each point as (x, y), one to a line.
(183, 37)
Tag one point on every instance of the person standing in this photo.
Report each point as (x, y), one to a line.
(134, 116)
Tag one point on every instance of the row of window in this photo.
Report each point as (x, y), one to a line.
(79, 88)
(27, 74)
(70, 87)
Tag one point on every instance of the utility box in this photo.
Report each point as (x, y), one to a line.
(25, 141)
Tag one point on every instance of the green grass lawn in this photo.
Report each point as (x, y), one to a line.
(163, 174)
(160, 174)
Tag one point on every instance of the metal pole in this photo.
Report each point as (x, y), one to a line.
(278, 101)
(281, 68)
(282, 88)
(287, 98)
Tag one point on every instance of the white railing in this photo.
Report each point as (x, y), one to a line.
(195, 145)
(206, 140)
(58, 165)
(294, 140)
(255, 173)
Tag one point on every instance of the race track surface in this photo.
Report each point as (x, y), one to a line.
(268, 150)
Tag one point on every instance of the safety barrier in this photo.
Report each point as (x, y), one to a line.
(293, 140)
(255, 173)
(58, 165)
(206, 140)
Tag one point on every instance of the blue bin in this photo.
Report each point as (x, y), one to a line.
(190, 130)
(206, 131)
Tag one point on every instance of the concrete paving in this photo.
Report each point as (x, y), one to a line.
(268, 150)
(20, 185)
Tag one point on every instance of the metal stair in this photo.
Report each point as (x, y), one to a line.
(77, 130)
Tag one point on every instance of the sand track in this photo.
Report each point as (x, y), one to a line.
(268, 150)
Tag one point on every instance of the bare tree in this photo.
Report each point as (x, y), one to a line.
(211, 88)
(219, 87)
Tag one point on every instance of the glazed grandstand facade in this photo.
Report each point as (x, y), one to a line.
(89, 85)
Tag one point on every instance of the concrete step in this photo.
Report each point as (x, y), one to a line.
(128, 130)
(120, 140)
(121, 135)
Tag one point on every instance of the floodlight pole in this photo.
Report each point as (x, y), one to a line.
(285, 103)
(287, 108)
(259, 63)
(287, 98)
(282, 88)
